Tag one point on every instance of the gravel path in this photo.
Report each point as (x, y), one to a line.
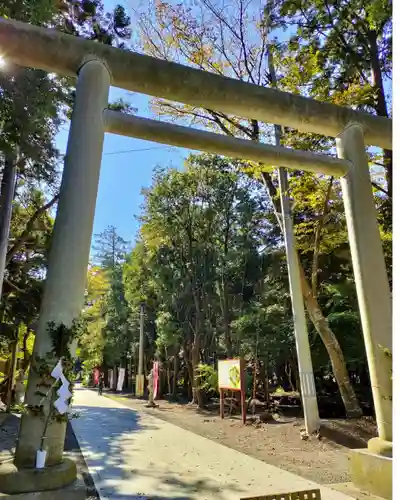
(278, 443)
(133, 455)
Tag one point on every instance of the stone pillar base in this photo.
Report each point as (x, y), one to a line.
(15, 481)
(371, 472)
(380, 447)
(75, 491)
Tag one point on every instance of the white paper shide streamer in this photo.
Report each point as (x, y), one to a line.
(61, 404)
(63, 392)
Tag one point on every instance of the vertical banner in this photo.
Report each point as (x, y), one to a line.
(156, 378)
(96, 374)
(121, 378)
(110, 378)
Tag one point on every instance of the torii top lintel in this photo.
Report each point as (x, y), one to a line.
(50, 50)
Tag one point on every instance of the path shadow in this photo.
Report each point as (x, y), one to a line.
(189, 489)
(9, 429)
(107, 439)
(353, 426)
(341, 435)
(72, 448)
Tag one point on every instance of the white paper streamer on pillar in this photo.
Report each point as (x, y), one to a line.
(63, 392)
(57, 371)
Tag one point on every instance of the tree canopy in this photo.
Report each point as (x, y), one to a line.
(210, 267)
(209, 261)
(34, 106)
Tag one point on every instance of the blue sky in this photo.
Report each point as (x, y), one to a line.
(127, 166)
(124, 172)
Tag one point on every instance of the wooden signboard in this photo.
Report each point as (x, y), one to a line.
(296, 495)
(231, 378)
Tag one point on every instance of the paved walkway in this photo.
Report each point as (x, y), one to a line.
(133, 455)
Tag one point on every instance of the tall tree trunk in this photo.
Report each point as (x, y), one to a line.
(226, 318)
(175, 379)
(188, 373)
(288, 371)
(295, 372)
(13, 369)
(27, 356)
(332, 345)
(7, 197)
(168, 370)
(223, 291)
(264, 378)
(321, 324)
(198, 396)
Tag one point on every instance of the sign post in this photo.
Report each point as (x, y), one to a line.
(139, 388)
(231, 378)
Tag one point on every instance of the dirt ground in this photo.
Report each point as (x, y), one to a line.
(278, 442)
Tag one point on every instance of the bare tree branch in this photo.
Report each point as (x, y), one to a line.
(380, 188)
(14, 287)
(243, 43)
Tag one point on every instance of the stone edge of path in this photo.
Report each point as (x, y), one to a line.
(72, 449)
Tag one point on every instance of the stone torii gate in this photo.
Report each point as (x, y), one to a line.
(98, 67)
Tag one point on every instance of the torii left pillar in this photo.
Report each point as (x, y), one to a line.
(66, 276)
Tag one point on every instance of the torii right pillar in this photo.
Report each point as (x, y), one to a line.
(371, 468)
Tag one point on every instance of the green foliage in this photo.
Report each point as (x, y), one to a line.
(208, 378)
(210, 291)
(106, 331)
(89, 19)
(88, 365)
(33, 107)
(169, 332)
(209, 262)
(109, 249)
(62, 337)
(199, 269)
